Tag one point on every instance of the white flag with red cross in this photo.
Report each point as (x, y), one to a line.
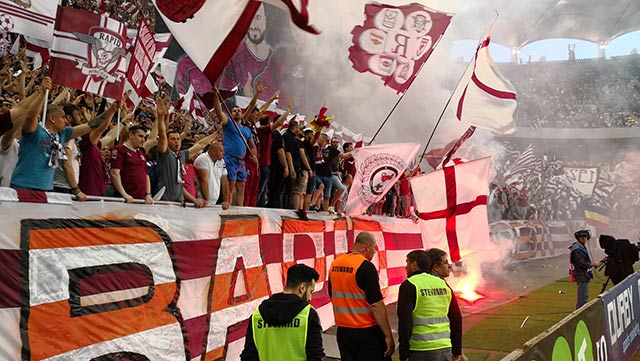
(452, 202)
(378, 168)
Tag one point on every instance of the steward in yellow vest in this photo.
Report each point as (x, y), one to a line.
(363, 331)
(429, 319)
(285, 326)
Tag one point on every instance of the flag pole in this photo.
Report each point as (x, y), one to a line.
(433, 132)
(44, 110)
(388, 116)
(118, 127)
(402, 96)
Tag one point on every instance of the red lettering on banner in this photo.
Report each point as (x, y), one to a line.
(239, 265)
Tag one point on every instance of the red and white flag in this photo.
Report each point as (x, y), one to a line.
(88, 52)
(395, 41)
(32, 18)
(378, 168)
(142, 55)
(486, 98)
(453, 203)
(211, 30)
(439, 156)
(38, 51)
(192, 103)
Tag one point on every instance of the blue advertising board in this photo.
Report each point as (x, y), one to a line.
(622, 315)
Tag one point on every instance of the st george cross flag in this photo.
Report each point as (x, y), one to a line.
(211, 30)
(453, 204)
(378, 168)
(485, 98)
(88, 52)
(31, 18)
(395, 41)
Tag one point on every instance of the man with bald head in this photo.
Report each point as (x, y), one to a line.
(358, 306)
(212, 173)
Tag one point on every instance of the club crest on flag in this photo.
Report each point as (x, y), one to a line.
(394, 42)
(104, 52)
(380, 170)
(378, 167)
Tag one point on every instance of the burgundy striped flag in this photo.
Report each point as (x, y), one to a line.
(210, 31)
(32, 18)
(486, 98)
(88, 52)
(526, 163)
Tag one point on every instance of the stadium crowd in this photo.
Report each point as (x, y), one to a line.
(162, 150)
(587, 93)
(545, 191)
(129, 12)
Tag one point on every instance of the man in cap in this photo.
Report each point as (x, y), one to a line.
(580, 267)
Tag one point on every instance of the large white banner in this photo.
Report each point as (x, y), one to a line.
(582, 179)
(91, 280)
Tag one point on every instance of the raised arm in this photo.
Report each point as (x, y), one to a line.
(254, 99)
(202, 143)
(217, 107)
(26, 113)
(161, 119)
(153, 137)
(267, 104)
(101, 120)
(62, 96)
(278, 123)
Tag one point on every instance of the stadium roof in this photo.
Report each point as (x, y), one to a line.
(522, 22)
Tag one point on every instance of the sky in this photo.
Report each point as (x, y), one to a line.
(552, 49)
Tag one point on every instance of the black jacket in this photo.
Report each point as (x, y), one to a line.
(406, 303)
(280, 309)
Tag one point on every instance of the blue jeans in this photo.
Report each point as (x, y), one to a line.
(264, 185)
(583, 294)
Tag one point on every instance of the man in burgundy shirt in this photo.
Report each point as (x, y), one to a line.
(129, 168)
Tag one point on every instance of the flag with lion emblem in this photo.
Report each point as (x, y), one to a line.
(88, 52)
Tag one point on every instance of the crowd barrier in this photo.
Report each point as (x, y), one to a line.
(606, 328)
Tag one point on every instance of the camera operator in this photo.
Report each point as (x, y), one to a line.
(621, 255)
(580, 268)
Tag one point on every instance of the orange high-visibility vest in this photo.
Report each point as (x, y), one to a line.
(350, 306)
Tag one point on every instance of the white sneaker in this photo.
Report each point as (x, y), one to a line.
(331, 209)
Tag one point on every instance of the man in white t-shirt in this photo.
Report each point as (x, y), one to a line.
(212, 173)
